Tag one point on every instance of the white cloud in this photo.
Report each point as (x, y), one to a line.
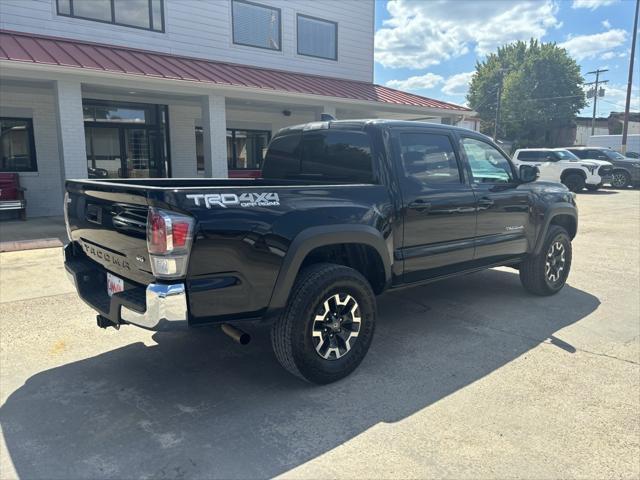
(419, 34)
(608, 55)
(606, 24)
(615, 97)
(592, 4)
(458, 84)
(593, 46)
(418, 82)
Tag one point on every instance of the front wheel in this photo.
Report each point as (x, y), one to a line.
(327, 326)
(620, 179)
(546, 272)
(574, 182)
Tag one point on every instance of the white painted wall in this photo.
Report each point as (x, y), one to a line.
(44, 187)
(583, 132)
(203, 29)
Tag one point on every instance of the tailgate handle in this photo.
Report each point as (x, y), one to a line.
(94, 214)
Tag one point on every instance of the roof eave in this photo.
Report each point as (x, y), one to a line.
(194, 87)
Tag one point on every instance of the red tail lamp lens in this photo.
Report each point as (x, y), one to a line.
(158, 233)
(180, 234)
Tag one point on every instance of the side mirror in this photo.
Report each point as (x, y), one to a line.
(529, 173)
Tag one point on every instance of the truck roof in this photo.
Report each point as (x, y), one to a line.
(360, 124)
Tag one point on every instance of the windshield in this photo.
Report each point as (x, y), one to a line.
(613, 155)
(564, 155)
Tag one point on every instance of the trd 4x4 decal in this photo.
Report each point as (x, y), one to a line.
(224, 200)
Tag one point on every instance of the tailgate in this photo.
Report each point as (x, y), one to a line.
(109, 222)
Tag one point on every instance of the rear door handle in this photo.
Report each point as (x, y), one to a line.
(420, 205)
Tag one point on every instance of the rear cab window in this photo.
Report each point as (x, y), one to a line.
(283, 157)
(329, 155)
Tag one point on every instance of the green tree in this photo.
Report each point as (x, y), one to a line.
(541, 93)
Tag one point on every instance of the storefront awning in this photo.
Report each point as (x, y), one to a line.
(37, 49)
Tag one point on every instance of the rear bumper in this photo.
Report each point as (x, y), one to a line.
(166, 308)
(158, 307)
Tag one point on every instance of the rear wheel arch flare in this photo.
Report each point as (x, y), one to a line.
(319, 241)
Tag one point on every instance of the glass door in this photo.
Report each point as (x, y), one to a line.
(104, 156)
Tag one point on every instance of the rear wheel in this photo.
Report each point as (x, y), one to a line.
(546, 273)
(327, 327)
(574, 182)
(620, 179)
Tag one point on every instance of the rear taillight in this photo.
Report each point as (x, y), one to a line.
(169, 237)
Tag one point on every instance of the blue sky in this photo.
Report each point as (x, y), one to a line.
(430, 47)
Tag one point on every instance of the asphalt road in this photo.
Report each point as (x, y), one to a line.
(468, 378)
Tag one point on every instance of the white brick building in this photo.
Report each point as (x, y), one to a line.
(180, 88)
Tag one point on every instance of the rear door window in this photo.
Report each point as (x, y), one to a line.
(597, 154)
(579, 153)
(530, 156)
(335, 155)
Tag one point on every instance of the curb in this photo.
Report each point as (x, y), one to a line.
(20, 245)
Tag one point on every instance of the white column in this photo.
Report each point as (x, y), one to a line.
(329, 109)
(182, 133)
(71, 129)
(214, 132)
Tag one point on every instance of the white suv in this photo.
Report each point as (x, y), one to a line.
(560, 165)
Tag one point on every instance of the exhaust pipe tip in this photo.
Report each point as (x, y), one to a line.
(237, 335)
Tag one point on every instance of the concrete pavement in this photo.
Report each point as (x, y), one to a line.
(467, 378)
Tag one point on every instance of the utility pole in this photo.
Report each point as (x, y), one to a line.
(595, 95)
(625, 124)
(499, 93)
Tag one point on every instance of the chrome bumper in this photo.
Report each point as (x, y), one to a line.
(166, 308)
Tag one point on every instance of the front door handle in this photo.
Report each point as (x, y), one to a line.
(420, 205)
(485, 203)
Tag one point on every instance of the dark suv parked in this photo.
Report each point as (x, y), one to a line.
(626, 171)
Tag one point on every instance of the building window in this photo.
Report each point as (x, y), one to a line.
(255, 25)
(18, 148)
(245, 149)
(126, 140)
(317, 37)
(145, 14)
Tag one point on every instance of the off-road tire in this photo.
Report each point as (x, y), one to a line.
(574, 182)
(291, 333)
(532, 270)
(621, 179)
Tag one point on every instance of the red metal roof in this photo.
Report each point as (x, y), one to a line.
(30, 48)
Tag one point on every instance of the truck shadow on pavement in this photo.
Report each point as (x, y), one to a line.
(198, 405)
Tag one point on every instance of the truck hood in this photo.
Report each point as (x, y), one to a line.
(593, 161)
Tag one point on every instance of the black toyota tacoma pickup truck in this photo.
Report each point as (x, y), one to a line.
(345, 210)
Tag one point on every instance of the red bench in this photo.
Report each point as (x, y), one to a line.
(12, 194)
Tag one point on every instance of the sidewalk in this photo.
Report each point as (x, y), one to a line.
(40, 232)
